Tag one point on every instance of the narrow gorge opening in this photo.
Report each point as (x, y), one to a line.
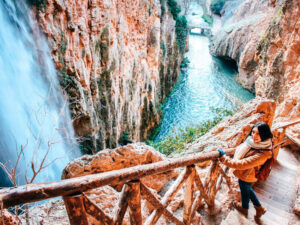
(228, 64)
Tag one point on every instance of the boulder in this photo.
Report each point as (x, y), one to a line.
(119, 158)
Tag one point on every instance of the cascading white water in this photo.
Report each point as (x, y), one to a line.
(33, 112)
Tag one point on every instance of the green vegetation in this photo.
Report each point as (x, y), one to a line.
(124, 139)
(216, 6)
(39, 4)
(208, 19)
(273, 29)
(276, 18)
(181, 26)
(279, 12)
(163, 11)
(177, 141)
(62, 47)
(55, 13)
(149, 11)
(184, 63)
(181, 29)
(174, 8)
(64, 79)
(163, 47)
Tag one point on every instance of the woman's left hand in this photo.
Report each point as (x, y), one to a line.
(221, 152)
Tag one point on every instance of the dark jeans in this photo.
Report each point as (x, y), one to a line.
(247, 194)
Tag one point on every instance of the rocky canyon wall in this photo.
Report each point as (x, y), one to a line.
(278, 72)
(263, 38)
(244, 23)
(117, 61)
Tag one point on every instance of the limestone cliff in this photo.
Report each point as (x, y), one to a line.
(117, 61)
(265, 46)
(244, 23)
(278, 73)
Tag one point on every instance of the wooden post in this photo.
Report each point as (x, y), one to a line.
(227, 179)
(75, 209)
(213, 176)
(203, 191)
(219, 180)
(278, 137)
(188, 196)
(196, 204)
(150, 197)
(152, 219)
(94, 210)
(279, 132)
(134, 202)
(122, 206)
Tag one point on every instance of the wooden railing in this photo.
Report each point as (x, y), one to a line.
(196, 192)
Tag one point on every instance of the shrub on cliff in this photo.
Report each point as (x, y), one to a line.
(216, 6)
(39, 4)
(184, 63)
(177, 141)
(181, 32)
(174, 8)
(181, 24)
(208, 19)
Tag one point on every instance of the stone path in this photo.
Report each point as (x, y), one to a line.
(278, 193)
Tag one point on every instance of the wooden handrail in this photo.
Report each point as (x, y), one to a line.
(36, 192)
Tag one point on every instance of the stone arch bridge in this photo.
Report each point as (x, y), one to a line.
(200, 29)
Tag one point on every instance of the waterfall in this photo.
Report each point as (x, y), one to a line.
(34, 113)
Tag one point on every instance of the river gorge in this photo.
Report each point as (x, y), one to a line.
(207, 83)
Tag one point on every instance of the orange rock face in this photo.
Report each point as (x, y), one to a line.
(263, 38)
(278, 73)
(239, 35)
(117, 61)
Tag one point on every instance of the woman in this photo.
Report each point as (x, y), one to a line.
(248, 157)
